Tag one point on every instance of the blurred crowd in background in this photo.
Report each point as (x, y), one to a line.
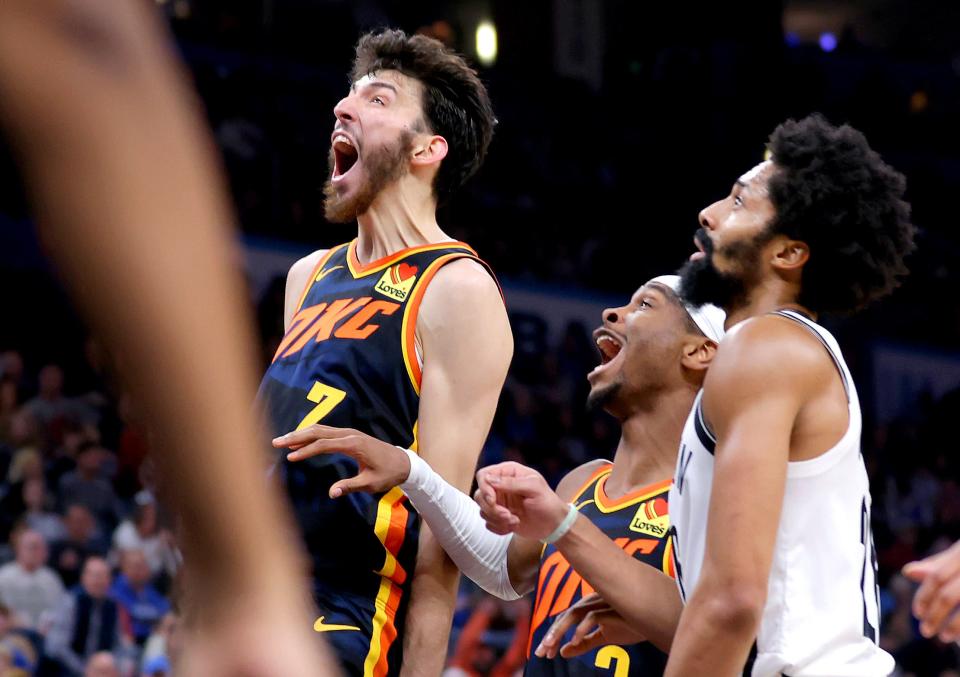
(618, 121)
(88, 562)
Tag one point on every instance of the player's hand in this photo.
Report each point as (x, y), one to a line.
(937, 602)
(596, 624)
(516, 499)
(382, 466)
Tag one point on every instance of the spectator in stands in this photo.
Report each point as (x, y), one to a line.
(11, 366)
(50, 408)
(86, 486)
(158, 666)
(27, 586)
(142, 532)
(9, 404)
(22, 440)
(81, 541)
(133, 591)
(26, 464)
(36, 515)
(102, 664)
(86, 622)
(17, 650)
(493, 641)
(132, 449)
(64, 457)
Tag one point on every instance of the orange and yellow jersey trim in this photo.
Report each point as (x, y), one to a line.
(638, 523)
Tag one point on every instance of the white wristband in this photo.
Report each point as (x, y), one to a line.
(563, 527)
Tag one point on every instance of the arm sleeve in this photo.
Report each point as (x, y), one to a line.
(454, 518)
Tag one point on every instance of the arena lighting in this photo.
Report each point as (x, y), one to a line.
(919, 101)
(486, 43)
(828, 42)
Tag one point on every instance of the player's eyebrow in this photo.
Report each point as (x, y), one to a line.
(376, 84)
(658, 287)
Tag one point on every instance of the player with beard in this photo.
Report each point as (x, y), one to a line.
(401, 333)
(770, 507)
(654, 354)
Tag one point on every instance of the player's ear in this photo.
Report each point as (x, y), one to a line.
(429, 150)
(789, 255)
(698, 353)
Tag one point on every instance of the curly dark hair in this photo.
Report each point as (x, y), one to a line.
(834, 193)
(455, 102)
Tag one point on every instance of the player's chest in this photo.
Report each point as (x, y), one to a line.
(344, 317)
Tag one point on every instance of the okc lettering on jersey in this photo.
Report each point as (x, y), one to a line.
(343, 319)
(550, 603)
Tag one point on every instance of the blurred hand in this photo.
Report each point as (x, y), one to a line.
(167, 538)
(382, 466)
(255, 640)
(516, 499)
(937, 601)
(596, 625)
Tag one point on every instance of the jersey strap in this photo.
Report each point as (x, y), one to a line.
(811, 327)
(408, 329)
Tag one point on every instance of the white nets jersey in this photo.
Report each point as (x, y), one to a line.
(821, 616)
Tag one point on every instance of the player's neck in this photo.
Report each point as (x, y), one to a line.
(649, 439)
(764, 298)
(404, 215)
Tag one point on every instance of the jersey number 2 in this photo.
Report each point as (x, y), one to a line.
(616, 657)
(326, 398)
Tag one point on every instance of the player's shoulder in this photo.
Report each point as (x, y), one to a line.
(463, 297)
(574, 480)
(302, 267)
(466, 278)
(770, 340)
(767, 350)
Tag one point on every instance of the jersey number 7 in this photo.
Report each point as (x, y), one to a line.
(326, 398)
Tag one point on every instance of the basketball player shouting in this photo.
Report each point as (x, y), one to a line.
(401, 333)
(654, 354)
(770, 507)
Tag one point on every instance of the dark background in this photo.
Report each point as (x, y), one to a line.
(618, 121)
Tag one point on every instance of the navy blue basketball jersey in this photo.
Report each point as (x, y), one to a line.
(638, 523)
(349, 359)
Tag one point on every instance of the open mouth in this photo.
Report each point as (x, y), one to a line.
(609, 347)
(701, 252)
(345, 156)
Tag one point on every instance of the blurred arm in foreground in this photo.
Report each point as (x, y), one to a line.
(132, 207)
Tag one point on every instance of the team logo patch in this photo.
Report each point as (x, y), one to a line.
(651, 518)
(397, 281)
